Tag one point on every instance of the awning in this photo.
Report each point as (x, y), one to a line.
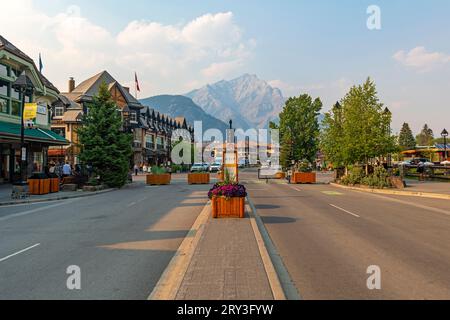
(11, 131)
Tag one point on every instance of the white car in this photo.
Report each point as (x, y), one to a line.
(199, 167)
(445, 163)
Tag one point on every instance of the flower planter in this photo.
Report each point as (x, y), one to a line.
(198, 178)
(304, 177)
(220, 176)
(54, 185)
(280, 175)
(228, 207)
(39, 186)
(158, 179)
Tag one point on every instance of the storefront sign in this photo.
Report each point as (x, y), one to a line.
(30, 111)
(24, 154)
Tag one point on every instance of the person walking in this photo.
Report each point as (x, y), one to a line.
(67, 170)
(136, 169)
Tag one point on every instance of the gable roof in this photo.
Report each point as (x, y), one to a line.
(89, 88)
(8, 46)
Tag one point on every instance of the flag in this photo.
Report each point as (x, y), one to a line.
(137, 82)
(41, 66)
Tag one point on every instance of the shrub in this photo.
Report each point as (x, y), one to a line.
(355, 176)
(379, 179)
(158, 170)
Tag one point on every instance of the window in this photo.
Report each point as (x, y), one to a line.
(15, 94)
(4, 70)
(38, 162)
(15, 108)
(4, 105)
(4, 88)
(60, 131)
(133, 116)
(59, 111)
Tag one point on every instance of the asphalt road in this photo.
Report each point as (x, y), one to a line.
(122, 242)
(328, 237)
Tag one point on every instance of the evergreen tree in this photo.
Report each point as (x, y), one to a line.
(103, 144)
(299, 129)
(425, 137)
(406, 139)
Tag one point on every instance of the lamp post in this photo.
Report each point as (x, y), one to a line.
(444, 134)
(25, 87)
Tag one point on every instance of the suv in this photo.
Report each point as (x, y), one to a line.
(215, 167)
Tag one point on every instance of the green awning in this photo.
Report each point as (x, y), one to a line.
(10, 130)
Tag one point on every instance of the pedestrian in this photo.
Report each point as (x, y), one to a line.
(144, 168)
(136, 169)
(421, 171)
(67, 170)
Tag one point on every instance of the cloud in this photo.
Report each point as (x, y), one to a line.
(168, 57)
(421, 59)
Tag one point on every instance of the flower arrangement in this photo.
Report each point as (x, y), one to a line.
(227, 190)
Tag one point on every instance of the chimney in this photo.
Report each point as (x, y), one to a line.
(127, 89)
(71, 84)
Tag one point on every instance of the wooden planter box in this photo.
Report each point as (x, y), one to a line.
(198, 178)
(304, 177)
(54, 185)
(39, 186)
(158, 179)
(228, 208)
(280, 175)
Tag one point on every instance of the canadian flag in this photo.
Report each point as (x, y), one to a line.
(137, 82)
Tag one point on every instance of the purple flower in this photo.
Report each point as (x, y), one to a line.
(227, 190)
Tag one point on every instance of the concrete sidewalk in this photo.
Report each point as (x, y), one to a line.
(5, 196)
(222, 259)
(428, 186)
(226, 265)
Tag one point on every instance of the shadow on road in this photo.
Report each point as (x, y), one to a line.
(277, 220)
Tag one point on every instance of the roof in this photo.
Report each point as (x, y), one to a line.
(8, 46)
(72, 115)
(12, 130)
(441, 146)
(89, 88)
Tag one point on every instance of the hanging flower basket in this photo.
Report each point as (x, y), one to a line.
(228, 200)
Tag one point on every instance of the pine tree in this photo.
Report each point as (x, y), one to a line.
(425, 137)
(103, 144)
(406, 139)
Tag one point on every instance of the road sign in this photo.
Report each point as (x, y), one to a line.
(30, 111)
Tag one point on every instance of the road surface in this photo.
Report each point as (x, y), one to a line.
(328, 237)
(122, 242)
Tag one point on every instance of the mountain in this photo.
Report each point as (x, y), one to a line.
(249, 101)
(181, 106)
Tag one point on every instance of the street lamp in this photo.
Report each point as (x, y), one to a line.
(25, 86)
(444, 134)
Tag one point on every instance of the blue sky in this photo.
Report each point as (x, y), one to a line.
(319, 47)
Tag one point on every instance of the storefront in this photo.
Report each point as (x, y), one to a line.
(37, 142)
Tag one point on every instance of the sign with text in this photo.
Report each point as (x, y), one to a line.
(30, 111)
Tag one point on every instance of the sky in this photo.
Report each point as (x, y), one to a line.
(318, 47)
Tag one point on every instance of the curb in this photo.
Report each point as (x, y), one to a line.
(81, 195)
(172, 277)
(282, 286)
(274, 281)
(397, 193)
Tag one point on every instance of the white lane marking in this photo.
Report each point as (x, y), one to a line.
(297, 188)
(131, 204)
(136, 202)
(19, 252)
(26, 204)
(346, 211)
(24, 213)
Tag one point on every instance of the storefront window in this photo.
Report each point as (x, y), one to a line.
(38, 162)
(15, 94)
(4, 105)
(60, 131)
(15, 108)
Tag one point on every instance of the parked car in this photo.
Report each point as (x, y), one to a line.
(215, 167)
(199, 167)
(416, 161)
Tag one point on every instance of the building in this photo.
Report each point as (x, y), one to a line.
(151, 130)
(38, 139)
(435, 153)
